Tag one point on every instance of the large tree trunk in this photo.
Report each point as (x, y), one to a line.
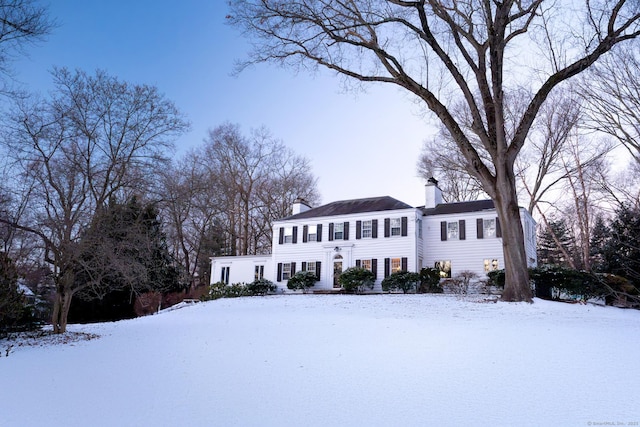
(62, 303)
(516, 286)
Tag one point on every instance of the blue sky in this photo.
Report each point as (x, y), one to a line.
(360, 144)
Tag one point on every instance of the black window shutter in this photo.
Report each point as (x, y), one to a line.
(294, 238)
(358, 230)
(405, 264)
(304, 266)
(330, 231)
(319, 233)
(318, 265)
(305, 233)
(357, 263)
(498, 228)
(374, 268)
(346, 231)
(480, 227)
(443, 230)
(387, 227)
(463, 229)
(387, 267)
(279, 278)
(374, 229)
(281, 236)
(403, 225)
(293, 268)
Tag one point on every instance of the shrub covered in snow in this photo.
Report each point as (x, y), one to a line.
(356, 279)
(401, 281)
(302, 280)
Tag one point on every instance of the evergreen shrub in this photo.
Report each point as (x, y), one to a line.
(356, 279)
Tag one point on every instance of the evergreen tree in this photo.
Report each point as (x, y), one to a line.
(622, 251)
(124, 254)
(11, 299)
(599, 240)
(549, 252)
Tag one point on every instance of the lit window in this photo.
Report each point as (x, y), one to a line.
(224, 275)
(395, 226)
(444, 267)
(366, 264)
(452, 231)
(259, 272)
(312, 233)
(366, 228)
(489, 226)
(338, 231)
(396, 265)
(286, 271)
(490, 265)
(288, 234)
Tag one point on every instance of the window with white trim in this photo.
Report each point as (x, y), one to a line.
(366, 264)
(444, 267)
(258, 272)
(489, 228)
(338, 231)
(288, 234)
(396, 226)
(286, 271)
(490, 265)
(311, 267)
(396, 265)
(453, 230)
(367, 227)
(224, 275)
(312, 233)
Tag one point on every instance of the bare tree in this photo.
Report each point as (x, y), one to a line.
(477, 48)
(611, 91)
(256, 177)
(22, 23)
(95, 139)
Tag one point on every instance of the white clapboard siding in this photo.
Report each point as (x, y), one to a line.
(241, 268)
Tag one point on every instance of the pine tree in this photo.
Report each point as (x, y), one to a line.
(548, 250)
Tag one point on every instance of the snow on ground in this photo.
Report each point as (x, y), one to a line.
(336, 360)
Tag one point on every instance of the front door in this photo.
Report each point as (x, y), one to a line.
(337, 271)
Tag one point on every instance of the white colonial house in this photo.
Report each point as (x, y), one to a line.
(381, 234)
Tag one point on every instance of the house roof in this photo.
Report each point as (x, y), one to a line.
(344, 207)
(459, 207)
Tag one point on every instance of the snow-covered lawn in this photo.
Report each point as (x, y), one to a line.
(336, 360)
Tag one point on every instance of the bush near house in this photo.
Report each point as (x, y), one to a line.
(222, 290)
(401, 281)
(356, 279)
(302, 280)
(459, 284)
(430, 281)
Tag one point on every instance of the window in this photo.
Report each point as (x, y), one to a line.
(367, 228)
(452, 231)
(288, 235)
(444, 267)
(490, 265)
(258, 272)
(396, 229)
(312, 235)
(311, 267)
(366, 264)
(338, 231)
(286, 271)
(396, 265)
(419, 228)
(489, 228)
(224, 275)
